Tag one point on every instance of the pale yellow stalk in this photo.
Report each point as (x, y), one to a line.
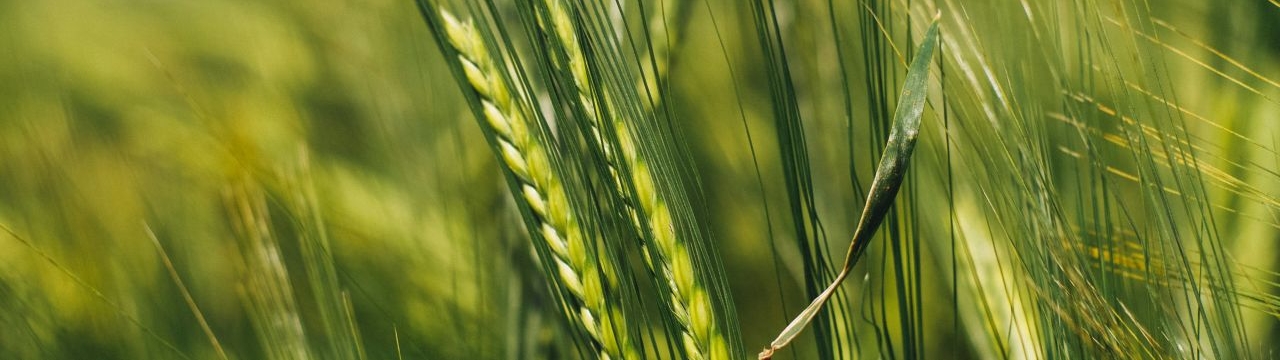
(670, 258)
(580, 271)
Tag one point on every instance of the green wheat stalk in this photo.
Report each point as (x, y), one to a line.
(665, 33)
(266, 290)
(522, 153)
(669, 256)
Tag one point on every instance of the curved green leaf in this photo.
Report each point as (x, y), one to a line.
(884, 188)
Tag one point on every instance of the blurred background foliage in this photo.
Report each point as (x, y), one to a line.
(321, 189)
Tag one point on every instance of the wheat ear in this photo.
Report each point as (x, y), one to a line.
(670, 257)
(579, 270)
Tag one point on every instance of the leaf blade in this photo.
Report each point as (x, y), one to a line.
(884, 188)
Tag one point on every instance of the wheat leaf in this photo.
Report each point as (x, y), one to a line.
(888, 179)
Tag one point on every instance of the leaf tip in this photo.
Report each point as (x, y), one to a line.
(767, 354)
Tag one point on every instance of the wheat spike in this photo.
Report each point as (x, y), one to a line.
(670, 258)
(580, 271)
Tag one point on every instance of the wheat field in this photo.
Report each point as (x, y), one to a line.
(647, 179)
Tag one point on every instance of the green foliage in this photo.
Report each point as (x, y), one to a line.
(231, 179)
(885, 185)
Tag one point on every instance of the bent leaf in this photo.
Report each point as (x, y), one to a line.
(888, 179)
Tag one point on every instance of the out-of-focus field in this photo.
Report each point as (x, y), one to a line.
(233, 130)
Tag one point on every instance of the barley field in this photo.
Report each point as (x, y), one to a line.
(645, 179)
